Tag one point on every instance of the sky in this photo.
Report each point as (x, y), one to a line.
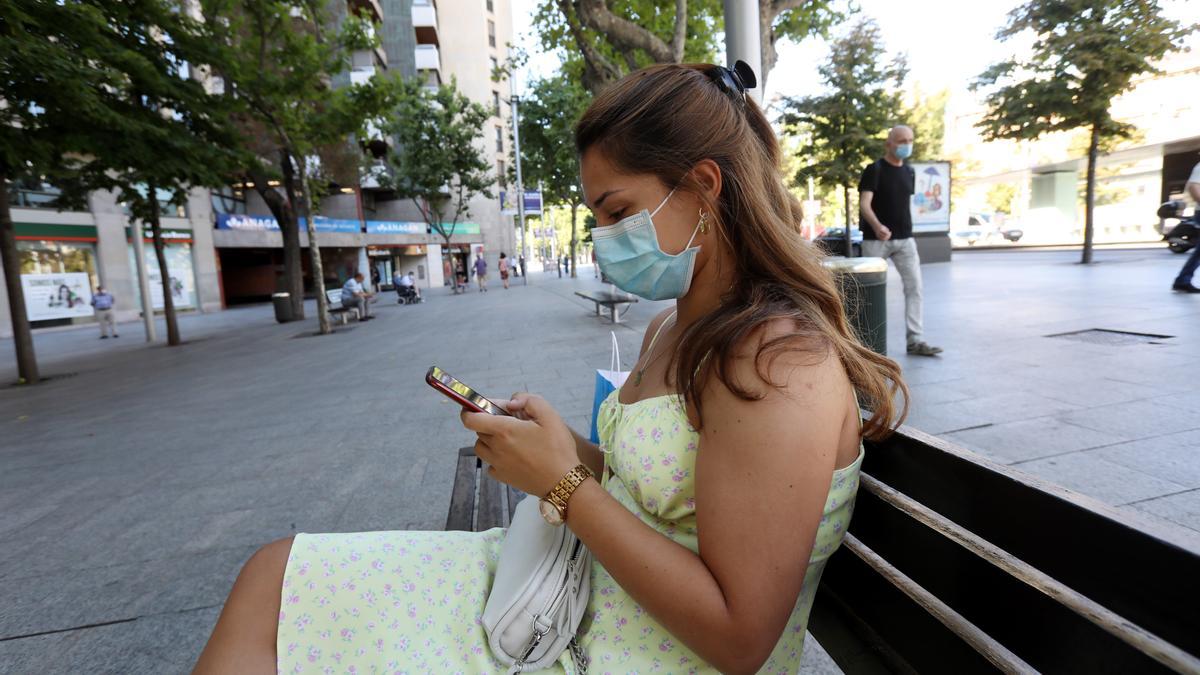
(947, 42)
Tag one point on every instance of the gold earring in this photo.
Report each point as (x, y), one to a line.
(703, 222)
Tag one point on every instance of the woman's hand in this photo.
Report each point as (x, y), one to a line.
(531, 451)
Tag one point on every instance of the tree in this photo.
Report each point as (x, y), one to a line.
(437, 161)
(927, 118)
(280, 58)
(1085, 53)
(548, 114)
(605, 39)
(78, 81)
(1000, 197)
(843, 129)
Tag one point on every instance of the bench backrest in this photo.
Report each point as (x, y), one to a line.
(334, 296)
(955, 564)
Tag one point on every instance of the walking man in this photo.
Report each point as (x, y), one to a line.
(102, 301)
(1183, 282)
(886, 222)
(481, 273)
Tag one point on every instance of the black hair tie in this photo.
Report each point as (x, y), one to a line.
(735, 81)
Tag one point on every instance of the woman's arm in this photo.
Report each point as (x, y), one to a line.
(762, 476)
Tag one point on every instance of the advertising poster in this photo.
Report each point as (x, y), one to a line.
(57, 296)
(183, 278)
(931, 197)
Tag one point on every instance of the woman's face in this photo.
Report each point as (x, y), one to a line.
(612, 196)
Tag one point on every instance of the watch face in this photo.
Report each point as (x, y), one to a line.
(550, 512)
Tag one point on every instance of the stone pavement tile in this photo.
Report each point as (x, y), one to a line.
(974, 412)
(814, 660)
(1024, 440)
(1092, 475)
(1134, 419)
(1175, 457)
(1182, 508)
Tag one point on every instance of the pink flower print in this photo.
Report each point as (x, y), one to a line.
(477, 650)
(647, 462)
(426, 558)
(691, 446)
(641, 434)
(690, 503)
(412, 611)
(291, 648)
(293, 599)
(354, 556)
(669, 459)
(313, 654)
(679, 474)
(337, 656)
(347, 635)
(282, 616)
(408, 587)
(621, 621)
(304, 568)
(388, 548)
(377, 565)
(325, 634)
(656, 435)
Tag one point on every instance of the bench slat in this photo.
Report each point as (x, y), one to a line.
(462, 498)
(491, 511)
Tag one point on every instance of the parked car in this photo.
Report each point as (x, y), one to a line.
(833, 240)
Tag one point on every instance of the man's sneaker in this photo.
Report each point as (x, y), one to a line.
(923, 349)
(1185, 288)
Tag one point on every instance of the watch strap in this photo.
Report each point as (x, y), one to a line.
(566, 486)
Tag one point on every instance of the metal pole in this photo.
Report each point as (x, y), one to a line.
(139, 256)
(516, 122)
(743, 40)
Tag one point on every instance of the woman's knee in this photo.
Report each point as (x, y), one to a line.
(268, 563)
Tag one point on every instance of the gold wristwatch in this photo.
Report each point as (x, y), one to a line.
(554, 505)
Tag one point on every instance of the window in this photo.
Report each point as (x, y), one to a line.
(491, 6)
(229, 200)
(499, 138)
(30, 192)
(501, 176)
(496, 102)
(495, 64)
(165, 207)
(491, 33)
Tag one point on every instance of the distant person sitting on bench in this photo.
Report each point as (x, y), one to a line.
(354, 295)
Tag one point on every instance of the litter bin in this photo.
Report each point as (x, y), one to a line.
(863, 282)
(283, 307)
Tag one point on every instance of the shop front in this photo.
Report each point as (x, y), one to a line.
(58, 272)
(177, 250)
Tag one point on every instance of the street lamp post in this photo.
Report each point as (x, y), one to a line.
(516, 122)
(743, 40)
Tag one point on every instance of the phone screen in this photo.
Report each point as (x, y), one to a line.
(446, 383)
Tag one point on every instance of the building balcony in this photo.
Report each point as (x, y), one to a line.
(372, 8)
(375, 177)
(424, 18)
(428, 58)
(361, 75)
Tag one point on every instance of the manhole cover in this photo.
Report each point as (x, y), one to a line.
(1103, 336)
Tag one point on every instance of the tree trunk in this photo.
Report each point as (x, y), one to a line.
(293, 269)
(1089, 226)
(849, 239)
(574, 240)
(161, 255)
(314, 251)
(27, 369)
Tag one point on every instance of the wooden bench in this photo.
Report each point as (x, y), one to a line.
(608, 299)
(479, 502)
(336, 310)
(953, 564)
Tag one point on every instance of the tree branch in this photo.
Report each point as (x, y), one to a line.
(622, 33)
(600, 71)
(680, 36)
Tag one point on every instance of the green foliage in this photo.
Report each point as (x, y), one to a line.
(437, 161)
(844, 129)
(927, 117)
(548, 115)
(1085, 53)
(1000, 197)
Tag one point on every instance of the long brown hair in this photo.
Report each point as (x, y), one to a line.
(665, 119)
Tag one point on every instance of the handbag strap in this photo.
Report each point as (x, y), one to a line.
(615, 362)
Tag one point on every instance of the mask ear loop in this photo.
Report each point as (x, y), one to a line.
(663, 203)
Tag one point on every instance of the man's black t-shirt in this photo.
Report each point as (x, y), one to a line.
(892, 187)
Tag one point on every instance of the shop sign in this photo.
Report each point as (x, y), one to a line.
(396, 227)
(243, 222)
(168, 235)
(57, 296)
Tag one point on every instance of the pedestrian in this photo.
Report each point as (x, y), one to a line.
(406, 286)
(447, 276)
(481, 273)
(521, 264)
(503, 267)
(884, 192)
(730, 478)
(1183, 282)
(103, 301)
(354, 295)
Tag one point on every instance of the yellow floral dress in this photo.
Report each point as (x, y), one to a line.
(411, 602)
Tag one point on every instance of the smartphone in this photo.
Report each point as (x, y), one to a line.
(461, 393)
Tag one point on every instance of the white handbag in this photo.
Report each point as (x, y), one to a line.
(539, 594)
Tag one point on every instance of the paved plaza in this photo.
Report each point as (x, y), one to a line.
(135, 482)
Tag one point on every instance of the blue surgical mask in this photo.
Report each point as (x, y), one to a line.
(904, 151)
(630, 257)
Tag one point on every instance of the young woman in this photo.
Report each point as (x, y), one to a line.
(503, 265)
(728, 462)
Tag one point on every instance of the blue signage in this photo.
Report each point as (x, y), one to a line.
(396, 227)
(237, 221)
